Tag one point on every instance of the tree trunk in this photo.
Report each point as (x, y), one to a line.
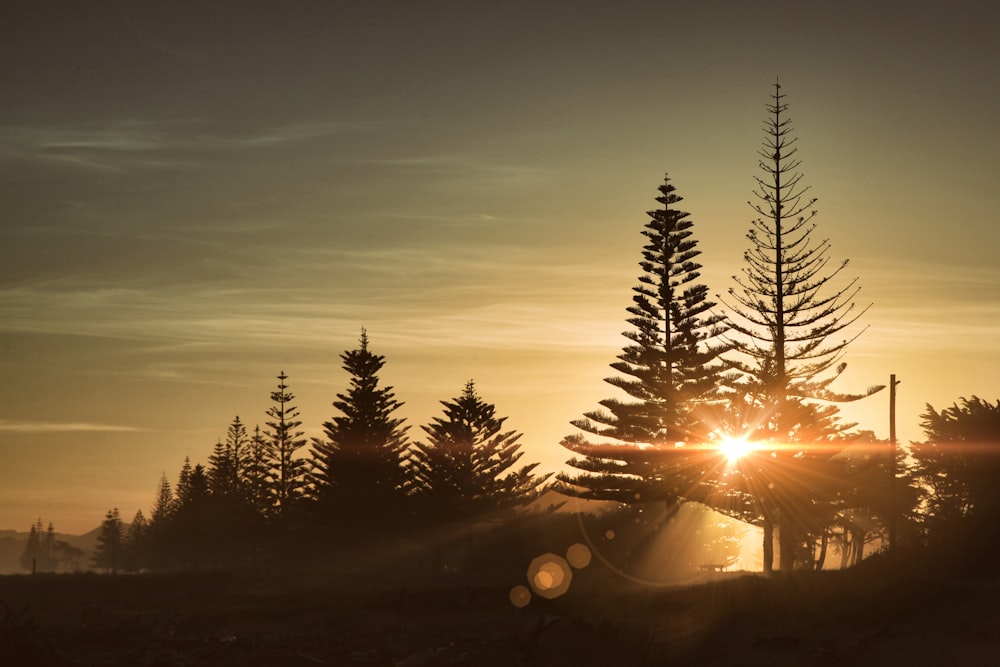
(768, 545)
(821, 561)
(786, 544)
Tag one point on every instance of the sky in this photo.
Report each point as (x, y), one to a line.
(195, 197)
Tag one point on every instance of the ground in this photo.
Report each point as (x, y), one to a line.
(875, 615)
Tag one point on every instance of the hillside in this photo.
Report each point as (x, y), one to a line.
(12, 543)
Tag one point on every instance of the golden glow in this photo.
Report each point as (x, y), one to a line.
(734, 448)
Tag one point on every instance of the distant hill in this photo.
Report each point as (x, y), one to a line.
(12, 543)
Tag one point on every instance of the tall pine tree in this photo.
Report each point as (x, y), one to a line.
(789, 323)
(672, 371)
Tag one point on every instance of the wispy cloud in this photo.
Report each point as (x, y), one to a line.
(132, 143)
(61, 427)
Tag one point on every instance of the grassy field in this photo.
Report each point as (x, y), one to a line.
(880, 613)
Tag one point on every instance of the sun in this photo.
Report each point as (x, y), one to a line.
(734, 448)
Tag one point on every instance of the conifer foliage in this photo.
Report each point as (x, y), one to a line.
(283, 440)
(786, 311)
(466, 467)
(109, 542)
(357, 472)
(672, 370)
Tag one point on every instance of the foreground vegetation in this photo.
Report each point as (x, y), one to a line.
(889, 610)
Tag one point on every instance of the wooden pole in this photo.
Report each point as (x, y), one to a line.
(892, 460)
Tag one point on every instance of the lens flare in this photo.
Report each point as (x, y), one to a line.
(549, 576)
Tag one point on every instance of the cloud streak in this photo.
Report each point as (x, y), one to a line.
(62, 427)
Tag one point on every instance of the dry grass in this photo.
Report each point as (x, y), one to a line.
(877, 614)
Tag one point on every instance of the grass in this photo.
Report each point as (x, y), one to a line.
(885, 611)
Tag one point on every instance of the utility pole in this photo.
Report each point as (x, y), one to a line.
(892, 460)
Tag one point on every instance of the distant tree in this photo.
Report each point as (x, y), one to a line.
(32, 548)
(287, 471)
(194, 523)
(466, 466)
(163, 503)
(785, 313)
(959, 465)
(258, 474)
(135, 544)
(226, 465)
(672, 370)
(357, 476)
(43, 552)
(109, 542)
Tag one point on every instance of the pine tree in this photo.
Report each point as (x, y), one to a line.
(193, 526)
(785, 307)
(258, 478)
(357, 476)
(161, 519)
(109, 542)
(785, 313)
(287, 471)
(466, 467)
(227, 463)
(672, 369)
(135, 545)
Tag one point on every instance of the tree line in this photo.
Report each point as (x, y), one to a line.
(265, 493)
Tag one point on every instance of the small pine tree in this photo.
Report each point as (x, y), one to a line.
(257, 477)
(109, 542)
(284, 440)
(135, 545)
(226, 465)
(466, 467)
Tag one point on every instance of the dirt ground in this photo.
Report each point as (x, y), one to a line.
(874, 616)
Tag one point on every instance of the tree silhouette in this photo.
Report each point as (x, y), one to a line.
(785, 307)
(672, 369)
(193, 531)
(160, 526)
(109, 542)
(227, 464)
(287, 472)
(357, 476)
(135, 544)
(257, 476)
(33, 548)
(958, 465)
(466, 466)
(786, 312)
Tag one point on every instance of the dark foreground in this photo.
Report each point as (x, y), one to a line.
(874, 615)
